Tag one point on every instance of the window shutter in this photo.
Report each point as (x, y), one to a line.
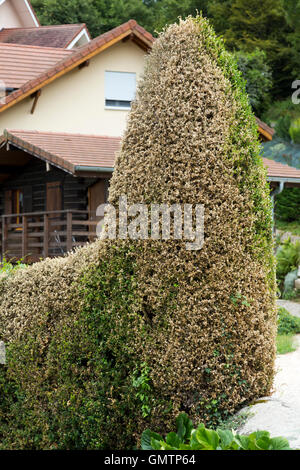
(54, 201)
(120, 86)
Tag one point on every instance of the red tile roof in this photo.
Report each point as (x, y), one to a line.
(279, 170)
(70, 151)
(45, 36)
(82, 54)
(67, 151)
(20, 64)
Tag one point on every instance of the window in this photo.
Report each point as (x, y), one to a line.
(14, 204)
(17, 203)
(120, 89)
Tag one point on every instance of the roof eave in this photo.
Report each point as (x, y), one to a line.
(282, 179)
(54, 160)
(265, 133)
(37, 152)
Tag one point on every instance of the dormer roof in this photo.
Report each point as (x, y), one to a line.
(59, 36)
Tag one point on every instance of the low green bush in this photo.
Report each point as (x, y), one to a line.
(291, 227)
(287, 323)
(69, 390)
(294, 131)
(188, 438)
(282, 114)
(288, 259)
(291, 294)
(287, 206)
(7, 267)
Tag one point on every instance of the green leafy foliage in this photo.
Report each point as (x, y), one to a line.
(292, 15)
(288, 204)
(291, 294)
(99, 15)
(294, 131)
(288, 326)
(281, 114)
(287, 323)
(248, 24)
(141, 384)
(202, 438)
(291, 227)
(91, 359)
(288, 259)
(258, 77)
(7, 268)
(239, 298)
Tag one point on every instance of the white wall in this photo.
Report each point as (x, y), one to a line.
(9, 18)
(76, 102)
(25, 12)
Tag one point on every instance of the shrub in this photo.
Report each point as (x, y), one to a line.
(7, 267)
(294, 131)
(287, 323)
(282, 114)
(188, 438)
(283, 126)
(126, 333)
(291, 227)
(287, 205)
(288, 259)
(291, 294)
(258, 76)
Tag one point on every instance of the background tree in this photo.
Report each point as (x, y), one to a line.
(168, 11)
(292, 13)
(258, 76)
(99, 15)
(249, 24)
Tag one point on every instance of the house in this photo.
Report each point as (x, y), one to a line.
(63, 109)
(20, 25)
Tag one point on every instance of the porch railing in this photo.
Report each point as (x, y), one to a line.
(37, 235)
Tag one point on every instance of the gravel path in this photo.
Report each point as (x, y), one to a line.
(280, 413)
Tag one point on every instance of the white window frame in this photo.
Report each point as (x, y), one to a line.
(78, 37)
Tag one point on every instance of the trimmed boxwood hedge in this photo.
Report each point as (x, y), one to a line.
(123, 335)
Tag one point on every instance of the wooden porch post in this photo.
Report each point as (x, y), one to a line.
(4, 235)
(69, 231)
(24, 236)
(46, 235)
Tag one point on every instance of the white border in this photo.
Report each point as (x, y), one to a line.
(31, 13)
(78, 37)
